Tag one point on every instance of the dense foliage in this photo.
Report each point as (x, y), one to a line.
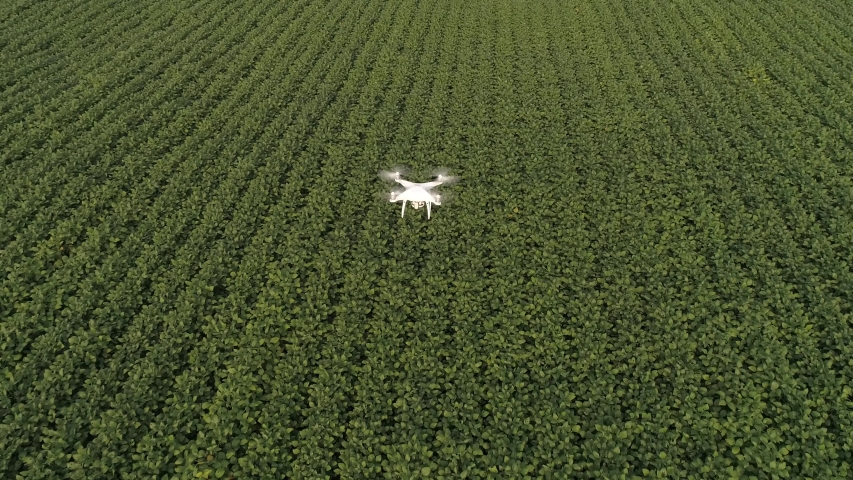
(646, 271)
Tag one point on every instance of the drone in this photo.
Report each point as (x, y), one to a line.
(417, 193)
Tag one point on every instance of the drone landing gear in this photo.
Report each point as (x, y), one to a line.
(417, 205)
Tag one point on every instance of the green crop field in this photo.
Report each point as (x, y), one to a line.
(645, 271)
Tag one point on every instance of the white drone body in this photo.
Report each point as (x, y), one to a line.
(417, 193)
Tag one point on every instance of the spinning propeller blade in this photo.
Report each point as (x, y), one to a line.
(443, 176)
(445, 197)
(392, 195)
(394, 174)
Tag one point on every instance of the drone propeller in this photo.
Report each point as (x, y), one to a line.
(392, 195)
(394, 174)
(444, 198)
(443, 176)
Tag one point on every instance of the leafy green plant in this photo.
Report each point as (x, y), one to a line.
(646, 273)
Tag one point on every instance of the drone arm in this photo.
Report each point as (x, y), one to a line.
(431, 184)
(404, 183)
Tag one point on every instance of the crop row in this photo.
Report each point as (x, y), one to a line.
(645, 271)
